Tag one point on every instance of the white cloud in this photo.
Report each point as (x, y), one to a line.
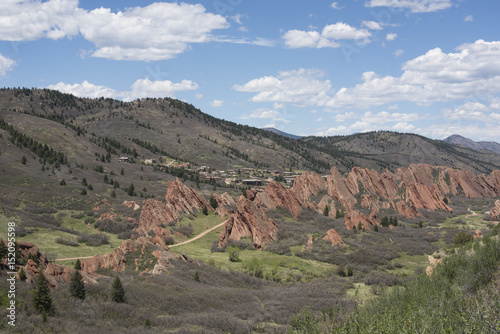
(198, 96)
(415, 6)
(166, 88)
(398, 53)
(372, 25)
(468, 111)
(342, 30)
(329, 36)
(264, 113)
(320, 119)
(433, 77)
(335, 5)
(217, 103)
(140, 89)
(345, 116)
(469, 18)
(391, 36)
(155, 32)
(393, 107)
(403, 127)
(6, 64)
(334, 131)
(85, 89)
(300, 87)
(32, 19)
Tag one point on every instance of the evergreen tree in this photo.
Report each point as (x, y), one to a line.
(213, 203)
(205, 210)
(76, 285)
(42, 300)
(326, 211)
(117, 292)
(196, 277)
(78, 265)
(131, 190)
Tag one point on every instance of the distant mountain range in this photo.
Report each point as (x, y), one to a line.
(281, 133)
(478, 146)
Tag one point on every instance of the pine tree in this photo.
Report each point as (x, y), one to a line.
(42, 300)
(76, 286)
(117, 292)
(326, 211)
(78, 265)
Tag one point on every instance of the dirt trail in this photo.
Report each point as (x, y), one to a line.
(179, 244)
(198, 236)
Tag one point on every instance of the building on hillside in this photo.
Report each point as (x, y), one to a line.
(149, 161)
(124, 159)
(252, 182)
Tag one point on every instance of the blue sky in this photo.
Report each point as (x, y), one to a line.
(430, 67)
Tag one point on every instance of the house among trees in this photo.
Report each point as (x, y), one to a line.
(124, 159)
(149, 161)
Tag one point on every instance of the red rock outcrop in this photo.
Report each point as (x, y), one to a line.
(249, 221)
(223, 201)
(308, 184)
(411, 188)
(115, 260)
(353, 219)
(334, 238)
(276, 195)
(180, 199)
(495, 211)
(131, 204)
(26, 249)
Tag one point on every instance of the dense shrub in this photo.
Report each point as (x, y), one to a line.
(68, 242)
(107, 225)
(94, 240)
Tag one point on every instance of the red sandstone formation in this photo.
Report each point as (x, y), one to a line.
(407, 190)
(132, 204)
(308, 184)
(495, 211)
(180, 199)
(276, 195)
(223, 201)
(334, 238)
(249, 221)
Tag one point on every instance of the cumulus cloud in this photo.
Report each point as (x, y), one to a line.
(159, 31)
(415, 6)
(391, 36)
(85, 89)
(33, 19)
(372, 25)
(468, 111)
(398, 53)
(435, 76)
(264, 113)
(335, 5)
(301, 87)
(217, 103)
(329, 36)
(140, 89)
(469, 18)
(160, 88)
(155, 32)
(6, 64)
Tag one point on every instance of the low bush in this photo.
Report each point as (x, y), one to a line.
(68, 242)
(94, 240)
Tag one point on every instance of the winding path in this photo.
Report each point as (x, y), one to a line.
(179, 244)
